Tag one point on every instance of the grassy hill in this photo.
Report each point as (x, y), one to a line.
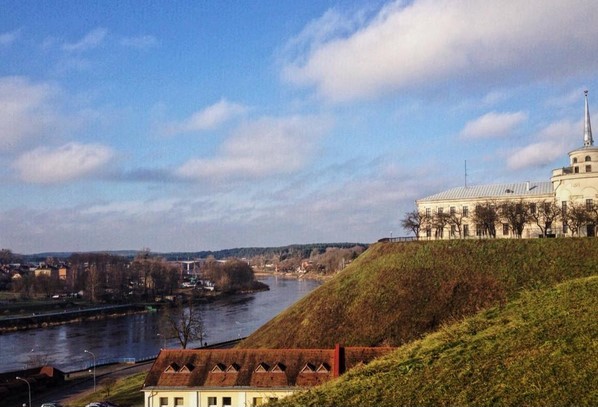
(396, 292)
(538, 350)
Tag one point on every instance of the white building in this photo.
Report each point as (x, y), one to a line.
(568, 188)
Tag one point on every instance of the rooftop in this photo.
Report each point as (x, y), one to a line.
(272, 368)
(495, 191)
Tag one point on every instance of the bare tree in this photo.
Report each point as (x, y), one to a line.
(414, 221)
(516, 214)
(184, 323)
(439, 222)
(545, 214)
(456, 220)
(485, 216)
(576, 216)
(108, 384)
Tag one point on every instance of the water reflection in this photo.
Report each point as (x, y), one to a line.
(135, 336)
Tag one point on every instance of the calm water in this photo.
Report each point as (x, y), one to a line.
(135, 336)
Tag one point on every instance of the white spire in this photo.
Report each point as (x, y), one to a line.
(588, 141)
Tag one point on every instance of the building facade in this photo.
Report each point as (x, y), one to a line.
(244, 377)
(567, 205)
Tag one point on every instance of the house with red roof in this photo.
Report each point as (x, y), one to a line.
(245, 377)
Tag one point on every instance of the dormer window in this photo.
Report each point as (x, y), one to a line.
(324, 368)
(218, 368)
(308, 368)
(279, 368)
(172, 368)
(188, 368)
(234, 368)
(262, 368)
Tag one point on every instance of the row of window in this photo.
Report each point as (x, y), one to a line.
(213, 401)
(576, 169)
(587, 158)
(532, 208)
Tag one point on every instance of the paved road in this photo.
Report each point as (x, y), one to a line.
(81, 383)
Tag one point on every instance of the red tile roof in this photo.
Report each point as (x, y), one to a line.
(253, 367)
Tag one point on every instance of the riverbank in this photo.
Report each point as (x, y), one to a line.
(295, 276)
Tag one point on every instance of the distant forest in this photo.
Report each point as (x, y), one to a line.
(283, 252)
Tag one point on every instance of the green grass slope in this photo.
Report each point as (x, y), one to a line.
(396, 292)
(538, 350)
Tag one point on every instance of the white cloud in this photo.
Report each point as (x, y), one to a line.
(265, 147)
(8, 38)
(25, 111)
(140, 42)
(536, 154)
(563, 129)
(492, 125)
(66, 163)
(431, 43)
(208, 118)
(91, 40)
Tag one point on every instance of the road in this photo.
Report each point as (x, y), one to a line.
(80, 384)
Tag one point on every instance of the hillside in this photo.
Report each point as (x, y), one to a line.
(396, 292)
(538, 350)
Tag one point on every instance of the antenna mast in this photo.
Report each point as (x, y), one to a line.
(465, 173)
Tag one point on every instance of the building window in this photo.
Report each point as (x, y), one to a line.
(179, 402)
(505, 229)
(532, 207)
(212, 402)
(575, 160)
(428, 232)
(588, 168)
(465, 230)
(440, 210)
(478, 230)
(576, 169)
(453, 230)
(257, 401)
(588, 158)
(428, 212)
(272, 399)
(453, 210)
(589, 204)
(227, 401)
(565, 228)
(163, 401)
(564, 210)
(465, 211)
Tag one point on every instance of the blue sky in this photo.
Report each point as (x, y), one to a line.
(183, 126)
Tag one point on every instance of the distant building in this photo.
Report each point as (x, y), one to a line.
(244, 377)
(575, 184)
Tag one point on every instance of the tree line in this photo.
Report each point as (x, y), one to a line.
(513, 215)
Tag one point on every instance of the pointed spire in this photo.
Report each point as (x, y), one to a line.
(588, 141)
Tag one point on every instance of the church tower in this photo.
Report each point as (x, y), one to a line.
(578, 183)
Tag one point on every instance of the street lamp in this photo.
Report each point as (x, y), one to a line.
(94, 369)
(28, 386)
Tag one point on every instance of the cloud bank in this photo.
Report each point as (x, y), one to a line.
(428, 43)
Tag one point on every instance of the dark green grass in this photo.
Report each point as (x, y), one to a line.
(396, 292)
(538, 350)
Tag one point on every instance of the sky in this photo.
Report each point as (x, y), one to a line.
(206, 125)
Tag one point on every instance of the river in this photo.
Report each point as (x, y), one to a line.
(136, 336)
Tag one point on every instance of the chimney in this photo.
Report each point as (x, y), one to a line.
(339, 361)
